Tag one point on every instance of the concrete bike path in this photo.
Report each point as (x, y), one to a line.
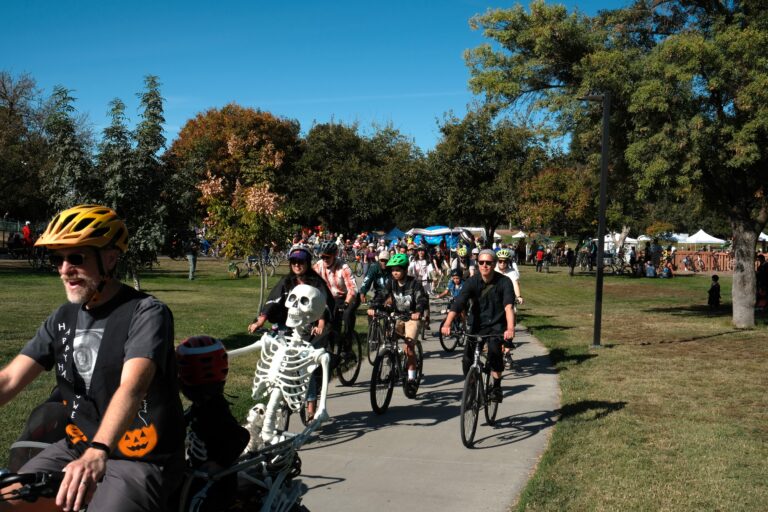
(413, 455)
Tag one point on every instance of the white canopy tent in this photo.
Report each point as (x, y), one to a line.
(762, 238)
(519, 234)
(701, 237)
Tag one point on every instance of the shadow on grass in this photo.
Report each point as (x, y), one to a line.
(238, 340)
(549, 327)
(590, 409)
(687, 340)
(694, 310)
(560, 356)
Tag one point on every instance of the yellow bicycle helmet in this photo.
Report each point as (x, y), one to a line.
(85, 225)
(461, 251)
(503, 254)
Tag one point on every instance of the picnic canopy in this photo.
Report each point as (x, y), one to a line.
(762, 238)
(434, 234)
(701, 237)
(519, 234)
(394, 234)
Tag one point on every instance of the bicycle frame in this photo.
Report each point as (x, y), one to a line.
(476, 392)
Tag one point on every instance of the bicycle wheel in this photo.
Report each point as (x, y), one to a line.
(470, 406)
(374, 341)
(383, 380)
(491, 408)
(449, 342)
(411, 393)
(350, 369)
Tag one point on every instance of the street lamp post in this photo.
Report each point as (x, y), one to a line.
(606, 100)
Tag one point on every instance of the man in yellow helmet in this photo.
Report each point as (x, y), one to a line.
(111, 348)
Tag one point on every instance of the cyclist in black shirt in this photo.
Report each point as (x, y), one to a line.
(493, 313)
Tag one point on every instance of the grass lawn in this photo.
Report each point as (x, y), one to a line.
(671, 414)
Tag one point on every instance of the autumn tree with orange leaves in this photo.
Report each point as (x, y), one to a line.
(239, 161)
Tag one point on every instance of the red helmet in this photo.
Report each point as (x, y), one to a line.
(202, 360)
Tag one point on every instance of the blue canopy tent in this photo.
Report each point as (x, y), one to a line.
(394, 234)
(433, 235)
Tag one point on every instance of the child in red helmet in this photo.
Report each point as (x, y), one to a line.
(215, 439)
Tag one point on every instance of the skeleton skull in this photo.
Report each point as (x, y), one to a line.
(305, 305)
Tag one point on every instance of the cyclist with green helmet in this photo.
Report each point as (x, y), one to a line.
(406, 295)
(506, 266)
(462, 262)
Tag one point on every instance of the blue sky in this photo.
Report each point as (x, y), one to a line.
(374, 63)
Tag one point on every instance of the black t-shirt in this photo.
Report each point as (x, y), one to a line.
(490, 299)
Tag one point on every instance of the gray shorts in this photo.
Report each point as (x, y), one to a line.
(127, 486)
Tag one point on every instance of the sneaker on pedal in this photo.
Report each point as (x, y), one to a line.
(496, 395)
(411, 388)
(508, 360)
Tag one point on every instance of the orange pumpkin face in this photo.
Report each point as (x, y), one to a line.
(75, 434)
(138, 442)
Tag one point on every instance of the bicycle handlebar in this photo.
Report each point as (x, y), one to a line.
(33, 485)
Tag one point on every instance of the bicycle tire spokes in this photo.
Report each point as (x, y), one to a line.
(470, 407)
(385, 371)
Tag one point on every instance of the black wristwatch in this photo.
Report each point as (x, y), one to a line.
(100, 446)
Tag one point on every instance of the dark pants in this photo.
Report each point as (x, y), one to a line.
(495, 356)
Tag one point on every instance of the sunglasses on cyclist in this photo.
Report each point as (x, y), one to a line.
(297, 262)
(488, 263)
(326, 257)
(75, 259)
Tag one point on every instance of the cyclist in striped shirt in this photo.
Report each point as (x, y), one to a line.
(338, 276)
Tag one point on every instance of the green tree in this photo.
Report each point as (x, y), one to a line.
(134, 177)
(71, 179)
(484, 162)
(334, 159)
(238, 158)
(687, 81)
(23, 147)
(115, 159)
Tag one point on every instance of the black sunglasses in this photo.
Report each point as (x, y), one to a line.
(485, 262)
(297, 262)
(75, 259)
(326, 256)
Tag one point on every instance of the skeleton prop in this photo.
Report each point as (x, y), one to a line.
(285, 368)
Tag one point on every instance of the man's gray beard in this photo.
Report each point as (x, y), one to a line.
(84, 295)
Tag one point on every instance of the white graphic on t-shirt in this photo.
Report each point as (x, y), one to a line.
(402, 301)
(86, 348)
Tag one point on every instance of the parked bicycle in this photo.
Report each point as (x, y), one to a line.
(477, 389)
(390, 367)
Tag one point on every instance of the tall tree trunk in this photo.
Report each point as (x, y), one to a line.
(743, 291)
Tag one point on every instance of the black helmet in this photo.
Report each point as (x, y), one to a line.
(329, 248)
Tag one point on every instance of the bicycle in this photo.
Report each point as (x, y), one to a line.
(267, 482)
(390, 367)
(379, 329)
(476, 392)
(457, 337)
(348, 369)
